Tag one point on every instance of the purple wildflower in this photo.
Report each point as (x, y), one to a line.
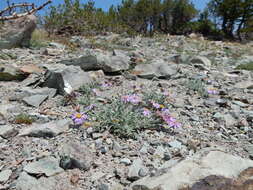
(134, 99)
(79, 118)
(212, 92)
(155, 105)
(165, 110)
(171, 121)
(90, 107)
(146, 112)
(106, 84)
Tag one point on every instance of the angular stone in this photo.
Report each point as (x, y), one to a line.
(7, 131)
(35, 100)
(10, 73)
(50, 129)
(157, 68)
(5, 175)
(101, 61)
(201, 60)
(191, 170)
(27, 92)
(48, 166)
(5, 110)
(213, 182)
(30, 69)
(52, 52)
(125, 161)
(244, 84)
(75, 155)
(133, 173)
(175, 144)
(65, 78)
(58, 182)
(229, 120)
(57, 45)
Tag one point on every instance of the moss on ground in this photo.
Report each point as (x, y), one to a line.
(247, 66)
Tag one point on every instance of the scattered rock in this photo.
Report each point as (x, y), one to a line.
(31, 69)
(7, 131)
(48, 166)
(189, 171)
(5, 110)
(11, 73)
(58, 182)
(175, 144)
(5, 175)
(133, 173)
(157, 68)
(35, 100)
(50, 129)
(201, 60)
(125, 161)
(65, 78)
(75, 155)
(244, 85)
(100, 61)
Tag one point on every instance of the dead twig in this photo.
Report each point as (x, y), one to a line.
(15, 15)
(13, 6)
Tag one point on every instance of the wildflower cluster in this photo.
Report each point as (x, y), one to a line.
(165, 115)
(159, 109)
(126, 115)
(134, 99)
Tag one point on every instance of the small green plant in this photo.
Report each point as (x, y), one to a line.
(24, 118)
(246, 66)
(86, 100)
(198, 86)
(88, 92)
(121, 119)
(154, 96)
(87, 89)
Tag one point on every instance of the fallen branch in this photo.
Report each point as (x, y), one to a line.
(15, 15)
(15, 6)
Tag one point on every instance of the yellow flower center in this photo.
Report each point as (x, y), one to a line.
(162, 106)
(78, 115)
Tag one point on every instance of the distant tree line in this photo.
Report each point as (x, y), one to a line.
(226, 18)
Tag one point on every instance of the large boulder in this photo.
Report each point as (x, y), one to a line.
(109, 63)
(17, 33)
(189, 173)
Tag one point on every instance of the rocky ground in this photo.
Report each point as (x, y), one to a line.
(196, 79)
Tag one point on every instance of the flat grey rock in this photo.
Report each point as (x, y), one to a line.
(50, 129)
(35, 100)
(65, 78)
(191, 170)
(156, 68)
(5, 175)
(7, 131)
(48, 166)
(133, 173)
